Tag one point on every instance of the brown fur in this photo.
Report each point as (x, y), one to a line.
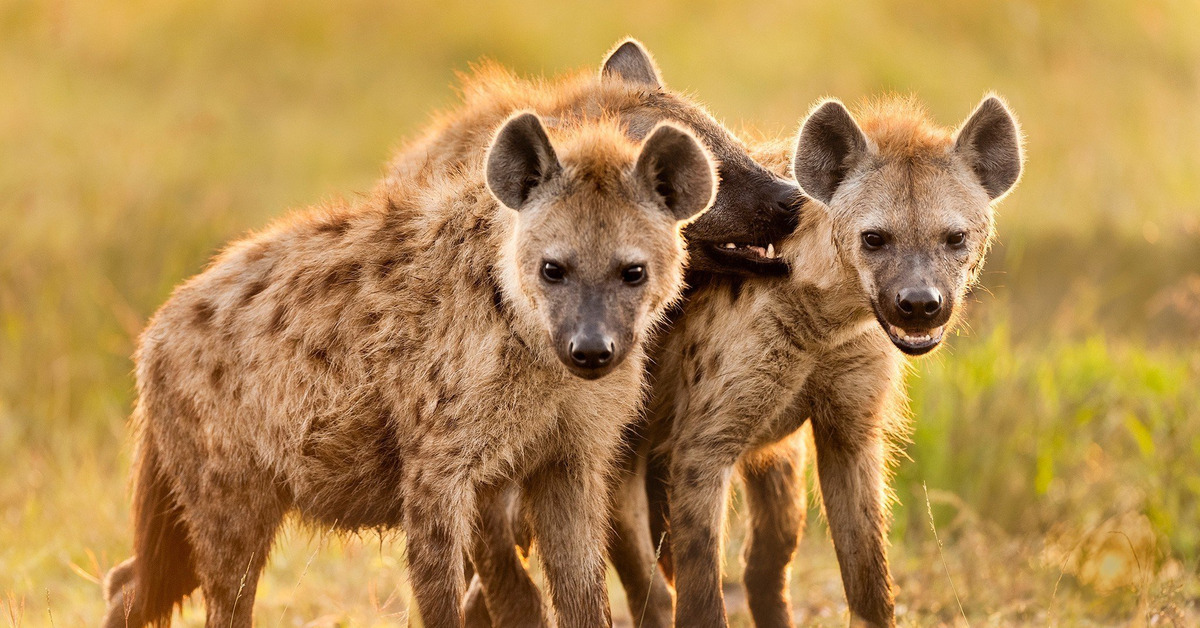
(747, 363)
(753, 205)
(388, 363)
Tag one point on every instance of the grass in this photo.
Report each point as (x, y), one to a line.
(1059, 435)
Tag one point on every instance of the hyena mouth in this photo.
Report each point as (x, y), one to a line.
(914, 342)
(751, 251)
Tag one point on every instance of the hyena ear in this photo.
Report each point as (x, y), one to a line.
(990, 142)
(520, 159)
(631, 62)
(678, 170)
(830, 143)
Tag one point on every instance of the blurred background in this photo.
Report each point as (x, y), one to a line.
(1058, 435)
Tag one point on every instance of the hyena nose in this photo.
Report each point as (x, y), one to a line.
(924, 302)
(591, 350)
(788, 202)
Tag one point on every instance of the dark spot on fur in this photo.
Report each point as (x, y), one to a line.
(372, 318)
(320, 356)
(334, 226)
(698, 546)
(253, 290)
(202, 313)
(735, 289)
(386, 267)
(343, 276)
(435, 374)
(698, 375)
(278, 320)
(714, 361)
(498, 300)
(217, 375)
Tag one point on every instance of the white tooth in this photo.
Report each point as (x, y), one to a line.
(730, 245)
(771, 250)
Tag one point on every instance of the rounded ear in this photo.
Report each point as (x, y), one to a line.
(678, 169)
(829, 145)
(631, 62)
(520, 159)
(990, 142)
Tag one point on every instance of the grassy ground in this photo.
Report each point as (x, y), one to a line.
(1058, 436)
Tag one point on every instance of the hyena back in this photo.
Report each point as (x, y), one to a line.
(754, 206)
(881, 263)
(391, 361)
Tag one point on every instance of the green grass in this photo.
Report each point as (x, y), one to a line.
(1058, 436)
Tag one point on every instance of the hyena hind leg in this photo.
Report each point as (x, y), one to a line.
(232, 530)
(775, 493)
(119, 596)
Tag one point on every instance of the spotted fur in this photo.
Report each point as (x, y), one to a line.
(391, 362)
(747, 364)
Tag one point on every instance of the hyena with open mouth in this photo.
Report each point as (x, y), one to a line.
(882, 262)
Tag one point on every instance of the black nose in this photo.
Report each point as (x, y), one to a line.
(919, 303)
(788, 200)
(591, 350)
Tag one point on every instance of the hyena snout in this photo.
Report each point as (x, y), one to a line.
(591, 348)
(920, 304)
(914, 315)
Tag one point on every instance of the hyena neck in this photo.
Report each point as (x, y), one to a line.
(821, 286)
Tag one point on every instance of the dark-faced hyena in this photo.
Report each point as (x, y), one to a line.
(901, 229)
(391, 361)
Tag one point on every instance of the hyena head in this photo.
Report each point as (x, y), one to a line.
(754, 209)
(911, 204)
(596, 255)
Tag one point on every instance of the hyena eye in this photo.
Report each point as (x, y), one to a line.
(956, 239)
(552, 272)
(872, 240)
(634, 275)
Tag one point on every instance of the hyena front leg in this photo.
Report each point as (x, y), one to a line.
(775, 495)
(510, 595)
(632, 551)
(437, 518)
(697, 502)
(567, 502)
(850, 466)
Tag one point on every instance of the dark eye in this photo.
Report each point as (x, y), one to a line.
(552, 272)
(956, 239)
(872, 240)
(633, 275)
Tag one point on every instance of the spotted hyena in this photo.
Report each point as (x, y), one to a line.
(392, 361)
(754, 209)
(880, 262)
